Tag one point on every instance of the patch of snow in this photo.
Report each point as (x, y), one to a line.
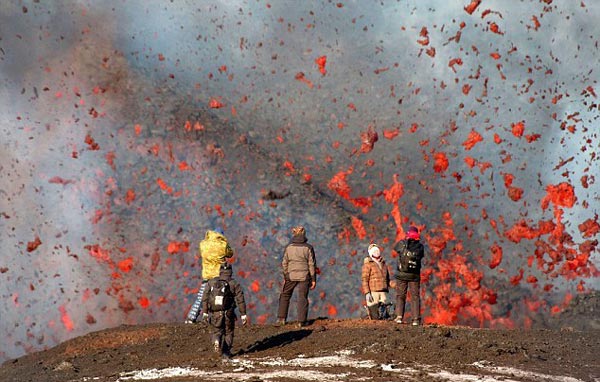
(170, 372)
(464, 377)
(521, 373)
(446, 375)
(178, 372)
(325, 361)
(399, 369)
(303, 368)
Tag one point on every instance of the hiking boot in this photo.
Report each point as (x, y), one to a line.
(398, 320)
(226, 356)
(280, 322)
(217, 347)
(415, 323)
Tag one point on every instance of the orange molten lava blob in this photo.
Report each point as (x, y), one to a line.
(65, 318)
(215, 104)
(472, 6)
(33, 245)
(441, 162)
(518, 129)
(496, 256)
(126, 265)
(359, 227)
(561, 195)
(332, 311)
(300, 77)
(473, 138)
(368, 139)
(589, 227)
(339, 185)
(144, 302)
(321, 62)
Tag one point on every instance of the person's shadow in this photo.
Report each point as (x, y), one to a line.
(277, 340)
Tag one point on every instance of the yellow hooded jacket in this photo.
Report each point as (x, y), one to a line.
(214, 249)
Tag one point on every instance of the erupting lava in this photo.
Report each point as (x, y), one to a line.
(129, 129)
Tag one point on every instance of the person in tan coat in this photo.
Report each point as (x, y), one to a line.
(299, 270)
(375, 283)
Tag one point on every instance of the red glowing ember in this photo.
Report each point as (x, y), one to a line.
(321, 62)
(441, 162)
(302, 78)
(518, 129)
(472, 140)
(561, 195)
(33, 245)
(368, 139)
(215, 104)
(496, 256)
(472, 6)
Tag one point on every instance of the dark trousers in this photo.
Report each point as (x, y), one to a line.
(415, 299)
(286, 295)
(222, 328)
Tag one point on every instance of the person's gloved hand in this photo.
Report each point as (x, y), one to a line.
(369, 298)
(205, 317)
(244, 319)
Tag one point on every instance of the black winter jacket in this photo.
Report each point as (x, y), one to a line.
(414, 246)
(236, 290)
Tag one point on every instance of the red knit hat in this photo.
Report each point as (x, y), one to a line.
(413, 233)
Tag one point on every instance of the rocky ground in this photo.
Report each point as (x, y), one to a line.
(328, 350)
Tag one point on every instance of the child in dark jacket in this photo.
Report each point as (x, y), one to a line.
(219, 309)
(214, 250)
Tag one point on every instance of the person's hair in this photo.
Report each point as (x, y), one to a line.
(298, 230)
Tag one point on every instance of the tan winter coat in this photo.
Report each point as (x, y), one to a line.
(299, 262)
(375, 277)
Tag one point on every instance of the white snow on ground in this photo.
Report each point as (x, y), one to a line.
(299, 375)
(445, 375)
(341, 359)
(528, 374)
(493, 377)
(172, 372)
(299, 369)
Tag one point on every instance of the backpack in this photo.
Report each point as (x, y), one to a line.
(220, 296)
(408, 261)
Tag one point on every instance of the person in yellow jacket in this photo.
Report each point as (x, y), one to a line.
(214, 251)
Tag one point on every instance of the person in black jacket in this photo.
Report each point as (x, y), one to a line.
(222, 296)
(408, 277)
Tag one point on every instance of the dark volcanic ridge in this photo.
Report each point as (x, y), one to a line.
(328, 349)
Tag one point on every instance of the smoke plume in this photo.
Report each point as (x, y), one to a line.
(130, 128)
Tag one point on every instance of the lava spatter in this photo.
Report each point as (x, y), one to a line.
(127, 135)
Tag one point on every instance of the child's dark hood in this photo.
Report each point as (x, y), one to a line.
(225, 272)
